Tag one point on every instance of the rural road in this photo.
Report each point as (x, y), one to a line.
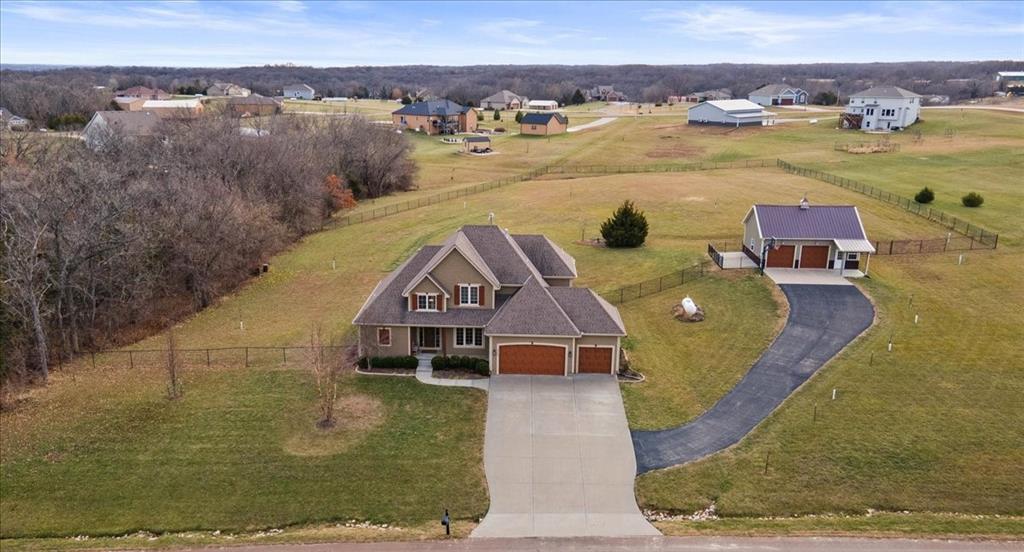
(822, 320)
(592, 124)
(649, 544)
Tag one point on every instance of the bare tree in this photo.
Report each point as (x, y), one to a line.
(24, 271)
(173, 364)
(326, 362)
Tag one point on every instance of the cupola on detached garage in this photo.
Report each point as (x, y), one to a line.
(807, 237)
(486, 293)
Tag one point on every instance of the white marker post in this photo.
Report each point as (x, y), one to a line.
(833, 394)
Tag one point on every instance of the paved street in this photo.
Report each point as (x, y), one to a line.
(651, 544)
(822, 320)
(558, 459)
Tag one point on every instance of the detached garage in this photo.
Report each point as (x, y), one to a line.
(802, 237)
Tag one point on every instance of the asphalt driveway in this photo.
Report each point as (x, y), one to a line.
(559, 460)
(822, 320)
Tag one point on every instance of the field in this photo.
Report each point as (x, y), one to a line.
(932, 427)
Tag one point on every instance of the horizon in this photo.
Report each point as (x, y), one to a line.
(216, 35)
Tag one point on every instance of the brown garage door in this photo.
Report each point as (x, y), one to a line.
(531, 359)
(781, 257)
(595, 360)
(814, 256)
(787, 101)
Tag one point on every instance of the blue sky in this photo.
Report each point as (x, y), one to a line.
(222, 34)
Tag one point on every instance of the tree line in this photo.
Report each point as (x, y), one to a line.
(99, 247)
(24, 91)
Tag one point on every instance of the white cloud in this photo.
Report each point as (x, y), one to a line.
(724, 22)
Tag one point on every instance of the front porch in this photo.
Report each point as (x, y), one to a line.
(426, 341)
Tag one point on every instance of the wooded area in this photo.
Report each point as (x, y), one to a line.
(96, 244)
(30, 94)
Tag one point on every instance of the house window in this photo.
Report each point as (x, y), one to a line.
(867, 124)
(870, 111)
(469, 294)
(469, 337)
(384, 337)
(426, 301)
(852, 256)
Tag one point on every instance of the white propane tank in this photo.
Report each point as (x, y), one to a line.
(689, 306)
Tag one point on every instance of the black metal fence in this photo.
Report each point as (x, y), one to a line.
(661, 167)
(396, 208)
(659, 284)
(717, 250)
(240, 357)
(934, 245)
(984, 238)
(960, 226)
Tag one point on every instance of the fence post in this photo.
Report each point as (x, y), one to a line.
(246, 357)
(93, 359)
(284, 355)
(890, 246)
(131, 360)
(207, 357)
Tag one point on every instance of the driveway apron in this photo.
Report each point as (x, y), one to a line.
(559, 459)
(822, 320)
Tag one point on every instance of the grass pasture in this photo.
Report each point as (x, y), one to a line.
(933, 427)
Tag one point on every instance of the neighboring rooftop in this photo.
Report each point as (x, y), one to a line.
(734, 106)
(129, 123)
(542, 118)
(885, 92)
(442, 108)
(773, 89)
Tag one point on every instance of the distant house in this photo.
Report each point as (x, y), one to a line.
(709, 95)
(106, 125)
(143, 92)
(12, 121)
(729, 113)
(543, 124)
(882, 108)
(126, 103)
(1012, 82)
(476, 144)
(676, 99)
(605, 93)
(227, 89)
(435, 117)
(542, 105)
(779, 94)
(253, 106)
(829, 237)
(299, 92)
(174, 108)
(504, 100)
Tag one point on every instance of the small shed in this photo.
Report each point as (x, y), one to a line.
(476, 144)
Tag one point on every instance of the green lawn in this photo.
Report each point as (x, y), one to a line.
(934, 426)
(107, 454)
(690, 366)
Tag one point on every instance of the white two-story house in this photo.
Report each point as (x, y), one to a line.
(882, 108)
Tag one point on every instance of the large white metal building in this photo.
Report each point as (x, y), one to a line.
(729, 113)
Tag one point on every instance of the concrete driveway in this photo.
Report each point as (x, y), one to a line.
(822, 320)
(559, 459)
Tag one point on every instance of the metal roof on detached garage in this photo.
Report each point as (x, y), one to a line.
(819, 222)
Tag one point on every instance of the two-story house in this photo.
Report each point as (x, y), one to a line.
(507, 298)
(882, 108)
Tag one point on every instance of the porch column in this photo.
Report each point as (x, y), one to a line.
(867, 263)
